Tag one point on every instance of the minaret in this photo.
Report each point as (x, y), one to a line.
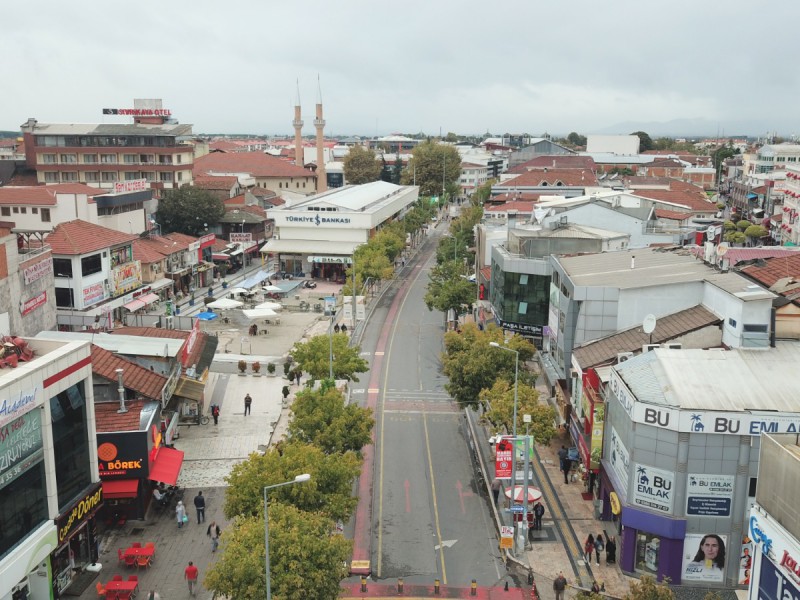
(319, 124)
(298, 128)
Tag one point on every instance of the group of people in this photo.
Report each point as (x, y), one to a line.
(597, 545)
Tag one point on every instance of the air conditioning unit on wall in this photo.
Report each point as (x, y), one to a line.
(623, 356)
(648, 347)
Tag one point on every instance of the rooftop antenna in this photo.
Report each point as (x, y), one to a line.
(649, 325)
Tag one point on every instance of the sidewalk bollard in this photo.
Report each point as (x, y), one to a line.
(436, 589)
(363, 584)
(399, 585)
(473, 588)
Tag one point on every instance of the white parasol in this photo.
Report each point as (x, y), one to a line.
(260, 313)
(272, 288)
(534, 494)
(224, 303)
(269, 305)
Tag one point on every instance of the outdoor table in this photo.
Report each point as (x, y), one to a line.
(121, 586)
(146, 551)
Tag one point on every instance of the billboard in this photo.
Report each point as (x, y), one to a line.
(704, 557)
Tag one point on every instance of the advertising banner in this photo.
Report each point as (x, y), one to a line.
(37, 270)
(127, 277)
(709, 495)
(123, 455)
(20, 446)
(704, 557)
(653, 488)
(32, 304)
(79, 513)
(502, 462)
(620, 459)
(93, 294)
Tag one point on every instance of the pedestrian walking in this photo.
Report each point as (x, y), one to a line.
(200, 505)
(190, 574)
(611, 550)
(247, 402)
(595, 587)
(297, 374)
(538, 513)
(495, 489)
(215, 413)
(588, 548)
(214, 532)
(180, 514)
(563, 460)
(559, 585)
(599, 546)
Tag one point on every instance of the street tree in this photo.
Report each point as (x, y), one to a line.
(499, 401)
(397, 170)
(306, 559)
(645, 141)
(743, 225)
(755, 233)
(449, 288)
(391, 240)
(361, 166)
(648, 589)
(189, 210)
(576, 139)
(322, 418)
(483, 192)
(721, 154)
(434, 166)
(372, 261)
(328, 491)
(314, 357)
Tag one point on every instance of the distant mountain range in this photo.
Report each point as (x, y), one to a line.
(691, 128)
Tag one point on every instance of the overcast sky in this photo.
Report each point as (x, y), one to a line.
(465, 66)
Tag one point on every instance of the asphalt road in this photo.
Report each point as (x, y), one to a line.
(429, 520)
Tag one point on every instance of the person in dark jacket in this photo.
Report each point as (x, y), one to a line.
(611, 550)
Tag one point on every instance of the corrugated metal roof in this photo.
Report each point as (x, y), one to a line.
(121, 344)
(725, 380)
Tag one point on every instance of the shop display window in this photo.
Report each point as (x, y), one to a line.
(647, 550)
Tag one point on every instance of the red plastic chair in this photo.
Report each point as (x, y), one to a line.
(130, 561)
(133, 578)
(101, 590)
(117, 578)
(121, 556)
(143, 561)
(136, 545)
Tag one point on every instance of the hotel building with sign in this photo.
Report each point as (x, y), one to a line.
(318, 235)
(680, 461)
(49, 485)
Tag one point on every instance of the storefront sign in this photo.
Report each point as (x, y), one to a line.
(80, 512)
(17, 405)
(207, 240)
(598, 416)
(502, 462)
(704, 557)
(319, 220)
(524, 328)
(616, 506)
(38, 270)
(620, 459)
(93, 294)
(123, 455)
(709, 495)
(772, 585)
(621, 392)
(127, 277)
(759, 536)
(653, 488)
(33, 303)
(133, 185)
(331, 260)
(240, 237)
(20, 446)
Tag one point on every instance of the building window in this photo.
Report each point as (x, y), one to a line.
(732, 322)
(110, 176)
(108, 159)
(69, 176)
(23, 210)
(68, 159)
(523, 308)
(179, 159)
(5, 211)
(90, 159)
(130, 159)
(180, 176)
(16, 210)
(64, 298)
(35, 210)
(297, 185)
(62, 267)
(70, 444)
(91, 264)
(165, 177)
(49, 159)
(50, 177)
(92, 176)
(131, 176)
(45, 215)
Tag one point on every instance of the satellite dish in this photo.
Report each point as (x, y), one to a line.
(649, 324)
(722, 249)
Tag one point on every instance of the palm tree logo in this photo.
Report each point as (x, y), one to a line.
(697, 423)
(643, 479)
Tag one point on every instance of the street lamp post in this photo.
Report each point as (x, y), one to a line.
(298, 479)
(516, 381)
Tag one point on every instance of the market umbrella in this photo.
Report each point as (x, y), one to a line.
(224, 303)
(207, 316)
(272, 288)
(237, 290)
(534, 494)
(261, 313)
(269, 305)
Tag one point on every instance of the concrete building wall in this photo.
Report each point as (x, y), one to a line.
(616, 144)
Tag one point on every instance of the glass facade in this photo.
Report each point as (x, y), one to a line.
(23, 491)
(70, 443)
(519, 297)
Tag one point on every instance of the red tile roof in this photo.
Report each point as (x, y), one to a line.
(81, 237)
(557, 161)
(215, 182)
(665, 163)
(223, 145)
(28, 195)
(145, 252)
(517, 205)
(108, 420)
(257, 164)
(781, 274)
(691, 200)
(673, 215)
(235, 201)
(175, 334)
(144, 382)
(511, 196)
(552, 177)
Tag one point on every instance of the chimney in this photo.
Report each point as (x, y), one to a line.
(633, 261)
(121, 390)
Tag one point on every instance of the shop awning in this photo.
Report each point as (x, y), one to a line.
(167, 466)
(220, 256)
(161, 283)
(134, 305)
(121, 488)
(317, 247)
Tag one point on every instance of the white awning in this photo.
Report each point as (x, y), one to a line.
(318, 247)
(161, 283)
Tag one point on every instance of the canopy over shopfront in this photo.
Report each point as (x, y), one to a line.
(120, 488)
(167, 466)
(141, 302)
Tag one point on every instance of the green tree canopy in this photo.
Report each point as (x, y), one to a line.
(391, 240)
(313, 357)
(648, 589)
(721, 154)
(743, 225)
(361, 166)
(499, 400)
(328, 491)
(189, 210)
(433, 165)
(371, 261)
(449, 288)
(576, 139)
(729, 226)
(306, 559)
(483, 192)
(321, 418)
(755, 232)
(735, 237)
(645, 141)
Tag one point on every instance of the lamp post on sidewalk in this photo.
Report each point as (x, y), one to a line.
(298, 479)
(516, 381)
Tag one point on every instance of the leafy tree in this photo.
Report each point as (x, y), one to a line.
(361, 166)
(321, 418)
(729, 226)
(743, 224)
(645, 141)
(328, 491)
(433, 165)
(448, 289)
(391, 240)
(721, 154)
(624, 171)
(397, 169)
(371, 261)
(648, 589)
(472, 365)
(500, 402)
(306, 560)
(576, 139)
(313, 357)
(735, 237)
(189, 210)
(483, 192)
(755, 232)
(451, 137)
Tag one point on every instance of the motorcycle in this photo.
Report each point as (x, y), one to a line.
(308, 284)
